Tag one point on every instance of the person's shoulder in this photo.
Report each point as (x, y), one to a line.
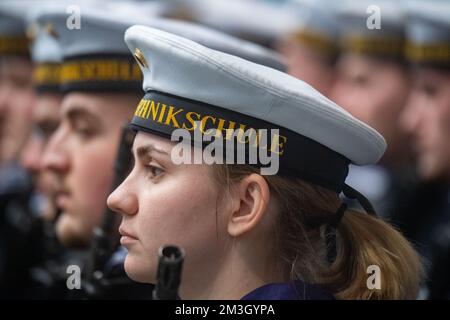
(294, 290)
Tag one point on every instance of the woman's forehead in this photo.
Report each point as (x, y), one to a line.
(156, 142)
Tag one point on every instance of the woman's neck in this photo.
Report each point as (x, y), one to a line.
(233, 277)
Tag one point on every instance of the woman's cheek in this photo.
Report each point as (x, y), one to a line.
(174, 211)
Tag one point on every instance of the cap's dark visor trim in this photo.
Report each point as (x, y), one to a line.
(160, 113)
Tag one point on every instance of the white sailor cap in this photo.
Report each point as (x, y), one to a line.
(221, 41)
(153, 8)
(95, 57)
(12, 27)
(44, 47)
(316, 25)
(262, 22)
(317, 138)
(372, 27)
(45, 52)
(428, 33)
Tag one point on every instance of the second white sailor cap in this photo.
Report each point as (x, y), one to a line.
(12, 27)
(316, 25)
(428, 33)
(262, 22)
(372, 27)
(185, 81)
(95, 56)
(45, 52)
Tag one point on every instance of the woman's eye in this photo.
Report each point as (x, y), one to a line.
(153, 172)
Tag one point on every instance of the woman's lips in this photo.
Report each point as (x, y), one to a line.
(126, 238)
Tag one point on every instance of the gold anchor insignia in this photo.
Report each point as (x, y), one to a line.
(51, 30)
(140, 58)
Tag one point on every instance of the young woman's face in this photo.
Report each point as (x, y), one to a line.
(163, 203)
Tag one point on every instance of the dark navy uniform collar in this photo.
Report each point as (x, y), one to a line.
(294, 290)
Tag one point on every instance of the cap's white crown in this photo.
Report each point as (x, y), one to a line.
(186, 69)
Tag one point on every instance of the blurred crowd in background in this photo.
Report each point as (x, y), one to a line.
(386, 62)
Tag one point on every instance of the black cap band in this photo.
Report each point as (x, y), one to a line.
(322, 43)
(14, 45)
(160, 113)
(47, 77)
(109, 73)
(382, 47)
(435, 55)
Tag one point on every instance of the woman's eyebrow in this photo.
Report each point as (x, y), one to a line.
(147, 149)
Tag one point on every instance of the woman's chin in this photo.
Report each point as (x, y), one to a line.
(139, 271)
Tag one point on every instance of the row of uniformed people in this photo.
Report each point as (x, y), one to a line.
(393, 77)
(91, 71)
(426, 119)
(377, 60)
(247, 206)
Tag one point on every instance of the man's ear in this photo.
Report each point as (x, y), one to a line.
(252, 202)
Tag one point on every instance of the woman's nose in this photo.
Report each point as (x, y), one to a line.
(123, 200)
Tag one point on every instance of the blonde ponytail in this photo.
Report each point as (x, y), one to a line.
(365, 241)
(362, 241)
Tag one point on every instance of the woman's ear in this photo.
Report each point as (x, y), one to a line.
(251, 204)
